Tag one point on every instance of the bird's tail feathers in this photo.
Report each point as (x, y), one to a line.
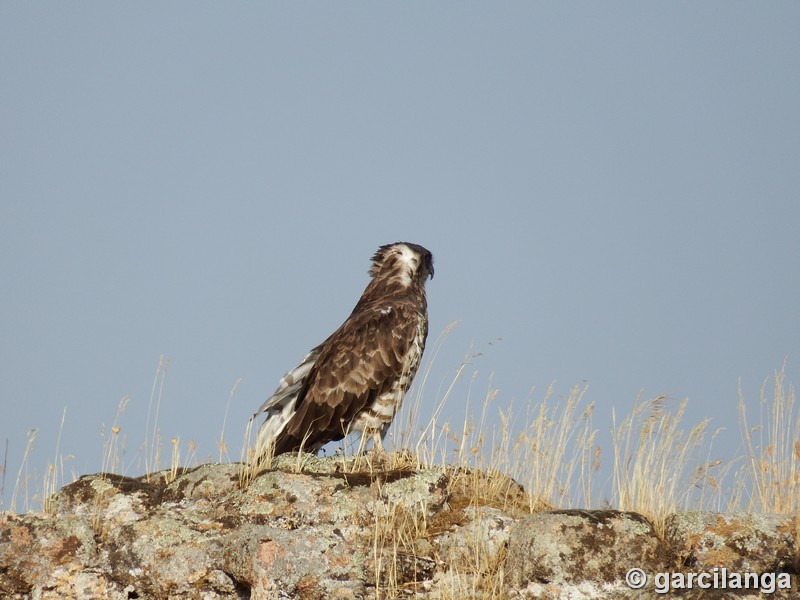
(281, 406)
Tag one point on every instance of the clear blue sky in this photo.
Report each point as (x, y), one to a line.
(612, 189)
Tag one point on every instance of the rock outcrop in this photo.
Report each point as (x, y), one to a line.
(321, 528)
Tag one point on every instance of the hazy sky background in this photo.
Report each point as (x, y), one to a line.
(611, 192)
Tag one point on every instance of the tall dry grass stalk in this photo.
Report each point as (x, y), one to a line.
(409, 431)
(3, 471)
(555, 454)
(113, 448)
(773, 449)
(550, 449)
(22, 482)
(222, 445)
(54, 469)
(152, 440)
(253, 458)
(714, 485)
(653, 458)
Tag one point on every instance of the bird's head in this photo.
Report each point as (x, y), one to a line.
(410, 262)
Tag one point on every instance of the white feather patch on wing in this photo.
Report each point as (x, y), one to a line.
(282, 404)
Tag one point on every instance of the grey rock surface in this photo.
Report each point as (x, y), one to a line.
(756, 542)
(314, 527)
(581, 545)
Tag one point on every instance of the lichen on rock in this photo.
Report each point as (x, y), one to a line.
(321, 527)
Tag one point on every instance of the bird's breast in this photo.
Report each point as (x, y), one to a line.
(380, 414)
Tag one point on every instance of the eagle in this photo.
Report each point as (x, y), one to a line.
(356, 379)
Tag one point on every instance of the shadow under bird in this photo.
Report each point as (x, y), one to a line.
(356, 379)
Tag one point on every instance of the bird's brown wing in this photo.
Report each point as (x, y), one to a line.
(360, 361)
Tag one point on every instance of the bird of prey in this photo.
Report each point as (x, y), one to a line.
(356, 379)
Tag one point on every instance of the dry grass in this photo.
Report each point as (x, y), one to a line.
(653, 458)
(659, 467)
(21, 484)
(222, 445)
(55, 471)
(33, 491)
(773, 449)
(152, 440)
(479, 465)
(113, 447)
(545, 455)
